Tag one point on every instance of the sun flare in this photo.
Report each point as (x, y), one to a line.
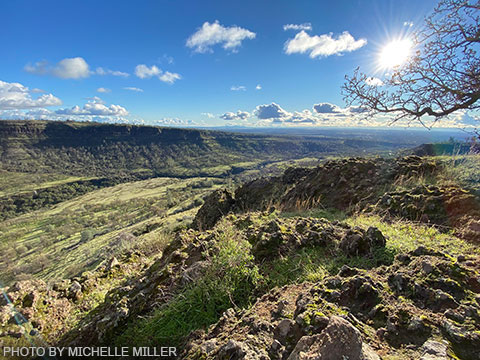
(395, 53)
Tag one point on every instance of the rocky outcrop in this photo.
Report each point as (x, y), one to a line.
(35, 306)
(422, 304)
(216, 205)
(347, 185)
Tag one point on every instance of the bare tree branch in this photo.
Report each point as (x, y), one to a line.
(442, 77)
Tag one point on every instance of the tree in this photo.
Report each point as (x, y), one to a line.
(440, 78)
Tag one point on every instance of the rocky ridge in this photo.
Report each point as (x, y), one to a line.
(355, 185)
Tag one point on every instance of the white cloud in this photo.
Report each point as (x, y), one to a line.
(238, 88)
(145, 72)
(208, 115)
(169, 59)
(131, 88)
(296, 27)
(169, 77)
(45, 114)
(16, 96)
(466, 118)
(103, 90)
(37, 114)
(212, 34)
(239, 115)
(323, 45)
(270, 111)
(258, 87)
(70, 68)
(326, 108)
(326, 114)
(94, 107)
(37, 91)
(102, 71)
(356, 110)
(39, 68)
(166, 121)
(299, 118)
(373, 81)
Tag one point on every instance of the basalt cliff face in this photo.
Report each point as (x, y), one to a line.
(107, 149)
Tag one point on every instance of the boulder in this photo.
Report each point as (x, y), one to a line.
(339, 340)
(434, 350)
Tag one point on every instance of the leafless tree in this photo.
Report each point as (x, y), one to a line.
(441, 77)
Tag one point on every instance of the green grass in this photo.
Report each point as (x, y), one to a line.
(229, 281)
(314, 264)
(404, 236)
(330, 214)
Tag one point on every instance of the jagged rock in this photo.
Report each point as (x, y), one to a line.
(294, 174)
(29, 299)
(112, 263)
(209, 346)
(281, 307)
(61, 286)
(347, 271)
(357, 242)
(216, 205)
(449, 206)
(75, 291)
(339, 340)
(456, 333)
(276, 350)
(260, 194)
(427, 267)
(236, 350)
(434, 350)
(194, 272)
(283, 330)
(375, 237)
(17, 332)
(399, 282)
(454, 315)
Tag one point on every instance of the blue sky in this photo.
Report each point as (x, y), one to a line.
(182, 62)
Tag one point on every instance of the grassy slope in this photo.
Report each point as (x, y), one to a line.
(78, 234)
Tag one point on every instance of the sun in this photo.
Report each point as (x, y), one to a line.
(395, 53)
